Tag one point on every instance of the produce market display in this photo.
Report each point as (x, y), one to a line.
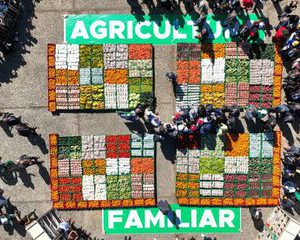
(228, 74)
(239, 170)
(98, 77)
(100, 171)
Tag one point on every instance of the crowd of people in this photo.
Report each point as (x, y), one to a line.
(291, 171)
(189, 123)
(291, 84)
(246, 32)
(287, 34)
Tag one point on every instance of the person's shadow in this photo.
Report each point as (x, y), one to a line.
(168, 149)
(6, 129)
(44, 173)
(26, 178)
(171, 215)
(9, 178)
(37, 140)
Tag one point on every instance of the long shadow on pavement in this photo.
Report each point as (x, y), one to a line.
(168, 149)
(44, 173)
(40, 142)
(286, 132)
(11, 62)
(136, 126)
(6, 129)
(10, 179)
(26, 178)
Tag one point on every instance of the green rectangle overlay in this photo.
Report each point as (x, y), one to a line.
(152, 29)
(187, 219)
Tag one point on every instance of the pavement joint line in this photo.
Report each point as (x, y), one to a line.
(32, 201)
(27, 107)
(78, 11)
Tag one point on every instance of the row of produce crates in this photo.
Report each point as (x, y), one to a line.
(99, 77)
(99, 171)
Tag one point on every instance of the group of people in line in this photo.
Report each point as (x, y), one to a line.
(291, 170)
(246, 32)
(291, 83)
(287, 36)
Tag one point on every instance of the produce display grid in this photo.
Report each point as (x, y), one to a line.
(228, 74)
(239, 170)
(99, 77)
(99, 171)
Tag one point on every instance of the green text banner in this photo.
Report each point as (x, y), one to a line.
(181, 220)
(152, 29)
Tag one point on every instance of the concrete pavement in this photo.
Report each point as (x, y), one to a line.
(24, 92)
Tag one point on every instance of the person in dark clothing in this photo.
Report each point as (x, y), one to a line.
(201, 111)
(140, 110)
(256, 213)
(171, 76)
(167, 4)
(295, 96)
(203, 34)
(231, 122)
(164, 206)
(10, 119)
(251, 113)
(288, 117)
(295, 109)
(234, 111)
(270, 124)
(281, 111)
(289, 8)
(293, 150)
(158, 137)
(209, 109)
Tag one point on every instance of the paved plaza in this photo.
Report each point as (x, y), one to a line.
(23, 90)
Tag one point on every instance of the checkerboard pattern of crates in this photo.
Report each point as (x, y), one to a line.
(99, 171)
(98, 77)
(239, 170)
(228, 74)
